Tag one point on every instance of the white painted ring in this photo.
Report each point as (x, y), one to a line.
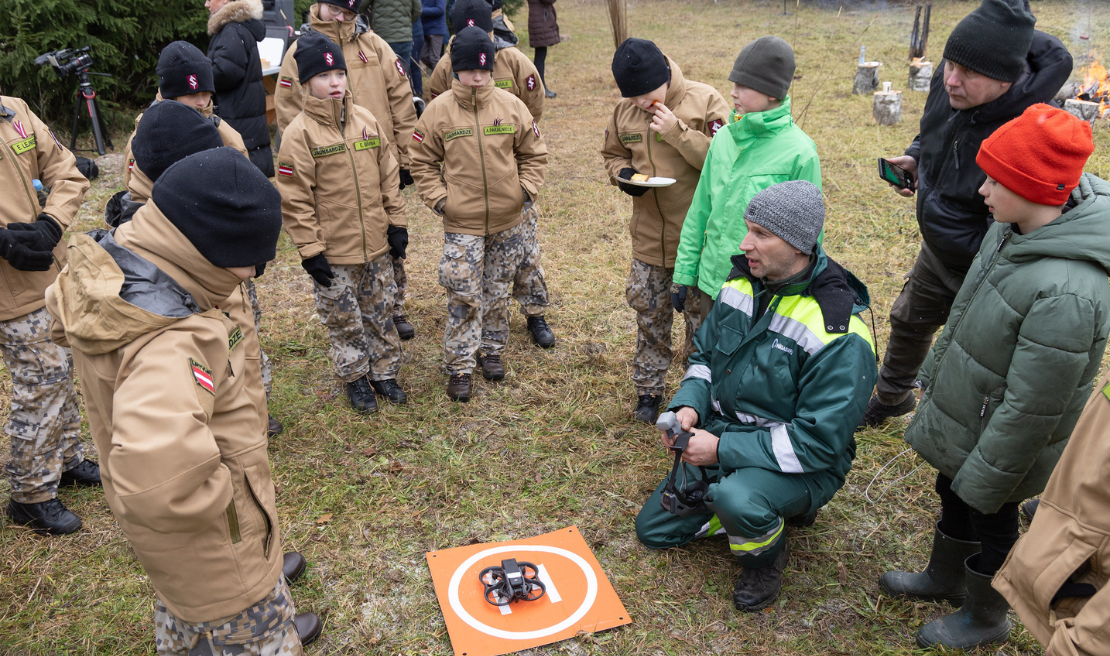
(587, 603)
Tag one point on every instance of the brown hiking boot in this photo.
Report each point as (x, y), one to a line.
(458, 388)
(492, 369)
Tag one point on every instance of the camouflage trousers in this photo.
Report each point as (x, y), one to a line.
(402, 282)
(357, 311)
(529, 287)
(44, 425)
(267, 371)
(264, 629)
(649, 293)
(477, 270)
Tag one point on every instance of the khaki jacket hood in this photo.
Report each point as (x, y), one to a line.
(480, 150)
(679, 153)
(339, 182)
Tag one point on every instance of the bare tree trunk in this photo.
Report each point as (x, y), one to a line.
(867, 78)
(921, 74)
(888, 107)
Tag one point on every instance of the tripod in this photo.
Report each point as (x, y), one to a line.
(86, 93)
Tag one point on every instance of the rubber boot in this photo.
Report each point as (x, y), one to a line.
(942, 580)
(981, 620)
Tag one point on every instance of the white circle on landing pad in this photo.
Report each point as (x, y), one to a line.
(587, 603)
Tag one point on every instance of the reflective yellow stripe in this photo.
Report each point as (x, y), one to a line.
(757, 545)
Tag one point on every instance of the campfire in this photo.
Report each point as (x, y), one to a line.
(1090, 99)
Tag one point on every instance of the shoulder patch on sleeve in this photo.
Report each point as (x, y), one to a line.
(203, 376)
(530, 83)
(286, 82)
(284, 168)
(715, 125)
(400, 68)
(536, 129)
(417, 136)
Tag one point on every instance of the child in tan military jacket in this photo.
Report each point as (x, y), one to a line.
(477, 158)
(342, 207)
(662, 127)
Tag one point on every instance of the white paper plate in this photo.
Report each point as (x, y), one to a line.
(650, 182)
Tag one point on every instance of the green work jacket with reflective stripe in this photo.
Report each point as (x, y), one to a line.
(784, 390)
(751, 153)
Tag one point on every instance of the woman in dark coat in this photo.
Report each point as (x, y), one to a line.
(543, 31)
(236, 28)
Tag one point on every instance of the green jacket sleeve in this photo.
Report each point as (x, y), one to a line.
(1043, 375)
(692, 238)
(835, 385)
(696, 389)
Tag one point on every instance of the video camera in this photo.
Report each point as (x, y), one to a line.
(67, 61)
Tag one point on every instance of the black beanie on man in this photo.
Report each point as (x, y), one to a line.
(993, 40)
(471, 13)
(170, 131)
(317, 54)
(472, 49)
(349, 5)
(223, 205)
(766, 65)
(639, 67)
(183, 70)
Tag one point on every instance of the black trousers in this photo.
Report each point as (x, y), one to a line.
(998, 532)
(539, 60)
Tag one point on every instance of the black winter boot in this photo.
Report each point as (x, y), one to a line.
(647, 408)
(981, 620)
(758, 587)
(877, 412)
(45, 517)
(85, 474)
(390, 390)
(1029, 508)
(404, 329)
(943, 578)
(361, 396)
(541, 332)
(308, 627)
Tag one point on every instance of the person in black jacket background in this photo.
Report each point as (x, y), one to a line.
(236, 28)
(996, 65)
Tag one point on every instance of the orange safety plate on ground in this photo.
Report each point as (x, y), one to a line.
(578, 598)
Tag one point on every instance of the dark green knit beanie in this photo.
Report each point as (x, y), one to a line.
(766, 65)
(993, 40)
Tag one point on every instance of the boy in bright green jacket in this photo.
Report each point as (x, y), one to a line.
(759, 147)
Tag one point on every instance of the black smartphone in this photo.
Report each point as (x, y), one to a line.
(895, 175)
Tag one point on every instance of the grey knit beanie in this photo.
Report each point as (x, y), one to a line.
(766, 65)
(993, 40)
(792, 210)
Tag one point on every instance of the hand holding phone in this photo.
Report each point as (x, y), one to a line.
(899, 172)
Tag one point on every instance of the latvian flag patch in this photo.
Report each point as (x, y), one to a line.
(285, 169)
(417, 136)
(130, 165)
(203, 376)
(286, 82)
(362, 56)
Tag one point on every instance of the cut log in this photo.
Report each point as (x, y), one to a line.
(1088, 111)
(921, 74)
(867, 78)
(888, 107)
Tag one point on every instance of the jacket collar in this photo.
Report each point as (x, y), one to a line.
(236, 11)
(760, 123)
(329, 111)
(676, 90)
(334, 30)
(468, 97)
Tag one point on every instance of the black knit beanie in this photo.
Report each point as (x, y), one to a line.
(183, 70)
(349, 5)
(639, 67)
(170, 131)
(766, 65)
(223, 205)
(471, 13)
(993, 40)
(317, 54)
(471, 49)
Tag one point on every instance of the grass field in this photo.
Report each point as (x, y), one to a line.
(554, 444)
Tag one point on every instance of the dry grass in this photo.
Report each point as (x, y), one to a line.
(554, 444)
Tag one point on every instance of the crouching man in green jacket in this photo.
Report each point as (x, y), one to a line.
(781, 376)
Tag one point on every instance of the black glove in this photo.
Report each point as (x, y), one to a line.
(678, 297)
(631, 190)
(42, 235)
(259, 269)
(398, 239)
(13, 249)
(317, 266)
(441, 207)
(406, 179)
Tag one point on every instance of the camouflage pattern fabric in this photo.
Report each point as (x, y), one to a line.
(264, 629)
(44, 425)
(529, 287)
(649, 293)
(267, 371)
(402, 282)
(477, 272)
(357, 311)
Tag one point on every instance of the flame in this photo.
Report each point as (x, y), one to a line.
(1096, 84)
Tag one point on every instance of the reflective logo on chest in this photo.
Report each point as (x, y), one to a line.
(778, 345)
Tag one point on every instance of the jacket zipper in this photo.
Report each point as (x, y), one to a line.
(358, 194)
(956, 153)
(658, 207)
(481, 153)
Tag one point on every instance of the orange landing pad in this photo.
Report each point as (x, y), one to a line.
(579, 596)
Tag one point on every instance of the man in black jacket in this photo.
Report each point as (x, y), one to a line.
(236, 28)
(995, 66)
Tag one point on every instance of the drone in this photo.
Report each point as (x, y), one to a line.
(512, 581)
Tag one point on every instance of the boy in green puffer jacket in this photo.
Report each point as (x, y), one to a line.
(759, 147)
(1007, 379)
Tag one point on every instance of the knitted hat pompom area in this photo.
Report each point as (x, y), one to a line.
(639, 67)
(1039, 155)
(472, 49)
(184, 70)
(792, 210)
(317, 54)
